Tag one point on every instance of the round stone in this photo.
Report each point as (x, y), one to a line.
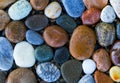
(108, 17)
(101, 77)
(91, 16)
(102, 59)
(36, 22)
(19, 10)
(43, 53)
(48, 72)
(34, 37)
(87, 79)
(118, 30)
(100, 4)
(74, 10)
(6, 54)
(15, 31)
(71, 71)
(4, 19)
(115, 73)
(39, 4)
(59, 38)
(2, 77)
(21, 75)
(24, 54)
(105, 34)
(53, 10)
(82, 42)
(67, 23)
(88, 66)
(61, 55)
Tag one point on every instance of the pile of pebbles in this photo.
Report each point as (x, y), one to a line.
(59, 41)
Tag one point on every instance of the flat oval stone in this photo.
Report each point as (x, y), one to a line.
(15, 31)
(34, 37)
(53, 10)
(115, 73)
(91, 16)
(19, 10)
(36, 22)
(48, 72)
(61, 55)
(102, 78)
(108, 17)
(24, 57)
(116, 6)
(115, 53)
(102, 59)
(67, 23)
(4, 19)
(105, 34)
(39, 4)
(88, 66)
(118, 30)
(71, 71)
(82, 42)
(6, 54)
(43, 53)
(100, 4)
(5, 3)
(2, 77)
(59, 38)
(87, 79)
(74, 10)
(21, 75)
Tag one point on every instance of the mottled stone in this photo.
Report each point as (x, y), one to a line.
(3, 77)
(118, 30)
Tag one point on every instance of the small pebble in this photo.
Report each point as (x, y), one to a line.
(115, 73)
(15, 31)
(118, 30)
(21, 75)
(108, 17)
(88, 66)
(39, 4)
(67, 23)
(24, 57)
(53, 10)
(48, 72)
(19, 10)
(74, 10)
(2, 77)
(43, 53)
(59, 38)
(71, 71)
(6, 54)
(34, 37)
(36, 22)
(87, 79)
(61, 55)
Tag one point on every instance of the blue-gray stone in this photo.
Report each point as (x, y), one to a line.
(3, 77)
(67, 23)
(34, 37)
(87, 79)
(61, 55)
(74, 8)
(48, 72)
(43, 53)
(118, 30)
(6, 54)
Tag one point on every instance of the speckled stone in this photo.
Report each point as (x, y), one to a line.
(3, 77)
(74, 10)
(21, 75)
(36, 22)
(105, 34)
(6, 54)
(48, 72)
(15, 31)
(34, 37)
(118, 30)
(67, 23)
(43, 53)
(71, 71)
(19, 10)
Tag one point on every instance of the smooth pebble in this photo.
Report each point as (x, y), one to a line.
(118, 30)
(3, 77)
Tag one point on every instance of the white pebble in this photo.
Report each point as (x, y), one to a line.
(88, 66)
(53, 10)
